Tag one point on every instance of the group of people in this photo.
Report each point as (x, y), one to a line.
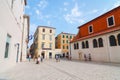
(57, 57)
(87, 58)
(38, 59)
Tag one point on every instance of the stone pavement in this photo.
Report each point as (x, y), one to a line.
(63, 70)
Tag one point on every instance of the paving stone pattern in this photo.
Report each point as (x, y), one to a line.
(63, 70)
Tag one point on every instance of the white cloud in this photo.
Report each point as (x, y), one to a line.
(49, 23)
(75, 0)
(95, 11)
(116, 4)
(92, 11)
(37, 12)
(41, 16)
(74, 16)
(65, 9)
(66, 3)
(75, 11)
(42, 4)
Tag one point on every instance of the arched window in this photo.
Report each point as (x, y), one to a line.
(83, 45)
(43, 30)
(87, 44)
(100, 42)
(112, 40)
(50, 31)
(118, 37)
(74, 46)
(95, 45)
(77, 45)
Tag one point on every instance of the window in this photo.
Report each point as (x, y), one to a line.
(43, 30)
(112, 40)
(87, 44)
(118, 37)
(74, 46)
(70, 37)
(50, 45)
(50, 37)
(66, 41)
(63, 47)
(67, 47)
(100, 42)
(63, 36)
(66, 36)
(77, 45)
(43, 36)
(95, 45)
(50, 31)
(7, 46)
(110, 21)
(43, 45)
(90, 29)
(63, 41)
(83, 45)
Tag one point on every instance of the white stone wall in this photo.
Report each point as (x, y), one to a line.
(25, 37)
(114, 51)
(103, 54)
(9, 25)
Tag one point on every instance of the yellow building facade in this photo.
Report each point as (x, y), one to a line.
(44, 42)
(62, 42)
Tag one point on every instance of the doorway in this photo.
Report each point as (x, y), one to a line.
(50, 55)
(43, 54)
(63, 55)
(80, 55)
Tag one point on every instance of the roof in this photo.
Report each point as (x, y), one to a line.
(100, 16)
(66, 33)
(97, 34)
(47, 27)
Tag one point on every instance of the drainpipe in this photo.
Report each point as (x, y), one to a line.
(22, 44)
(17, 51)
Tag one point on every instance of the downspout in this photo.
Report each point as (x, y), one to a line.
(22, 44)
(17, 51)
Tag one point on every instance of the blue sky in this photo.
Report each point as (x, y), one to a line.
(65, 15)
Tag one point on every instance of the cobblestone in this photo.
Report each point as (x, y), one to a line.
(63, 70)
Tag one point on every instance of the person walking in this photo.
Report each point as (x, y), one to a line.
(85, 57)
(38, 60)
(41, 58)
(56, 58)
(29, 57)
(89, 57)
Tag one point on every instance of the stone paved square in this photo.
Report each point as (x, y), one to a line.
(63, 70)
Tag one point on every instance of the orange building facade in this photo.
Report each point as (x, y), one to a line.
(99, 38)
(62, 42)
